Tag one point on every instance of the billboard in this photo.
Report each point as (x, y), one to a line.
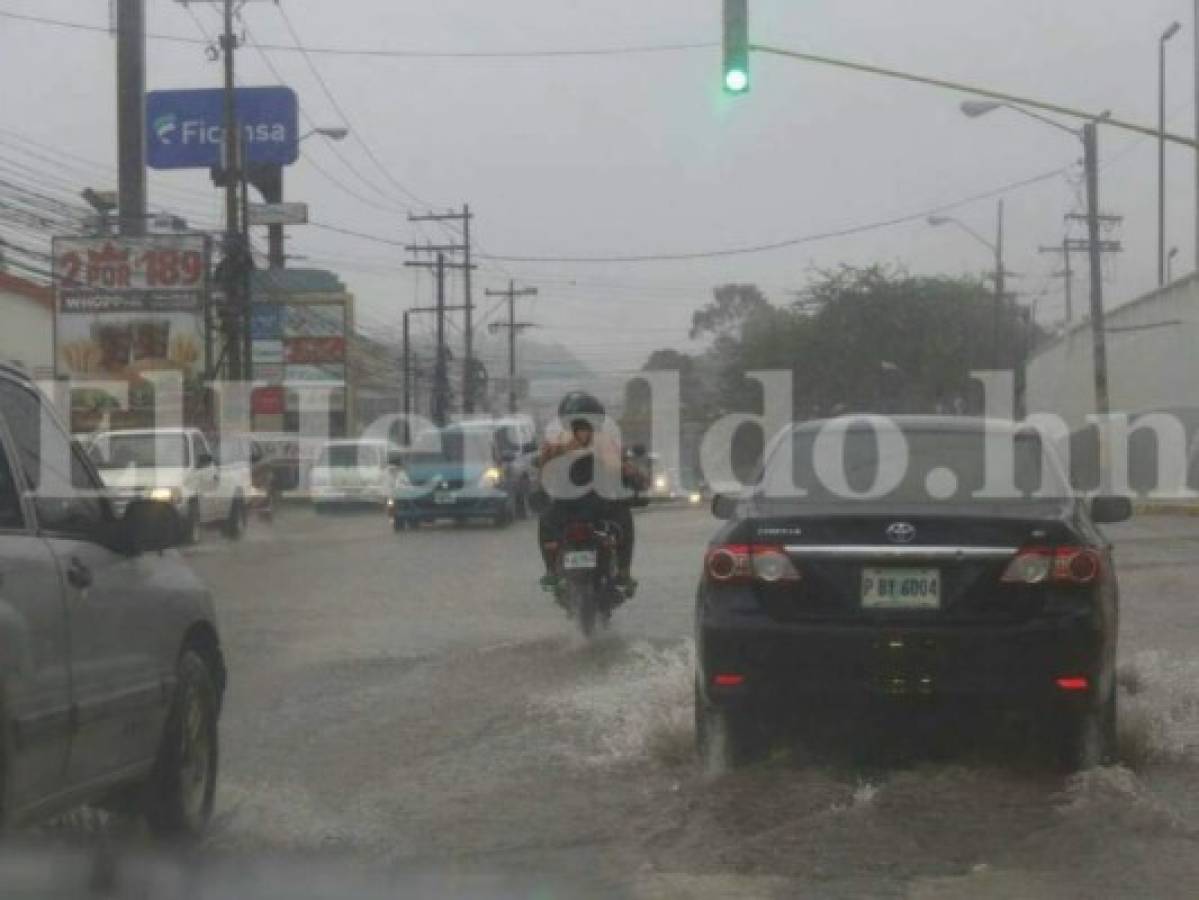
(129, 305)
(186, 129)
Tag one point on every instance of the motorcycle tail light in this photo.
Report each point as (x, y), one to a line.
(750, 563)
(1057, 565)
(577, 532)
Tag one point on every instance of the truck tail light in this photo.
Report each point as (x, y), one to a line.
(1054, 565)
(750, 563)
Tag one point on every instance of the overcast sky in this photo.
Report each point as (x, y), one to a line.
(640, 154)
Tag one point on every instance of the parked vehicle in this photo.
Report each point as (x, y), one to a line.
(111, 671)
(176, 466)
(352, 472)
(822, 602)
(455, 473)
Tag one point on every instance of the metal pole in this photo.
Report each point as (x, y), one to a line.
(439, 388)
(232, 281)
(1196, 52)
(1069, 282)
(468, 362)
(512, 346)
(245, 271)
(1161, 162)
(273, 193)
(407, 378)
(131, 114)
(999, 289)
(1099, 342)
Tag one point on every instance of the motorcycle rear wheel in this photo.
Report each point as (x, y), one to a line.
(583, 602)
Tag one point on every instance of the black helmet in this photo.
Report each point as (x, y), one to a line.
(580, 405)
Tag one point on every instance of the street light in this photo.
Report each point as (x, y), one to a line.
(1161, 151)
(333, 133)
(996, 248)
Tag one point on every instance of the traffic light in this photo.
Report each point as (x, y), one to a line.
(736, 46)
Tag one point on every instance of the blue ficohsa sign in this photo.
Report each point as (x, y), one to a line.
(186, 129)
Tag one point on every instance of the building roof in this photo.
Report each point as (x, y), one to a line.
(14, 284)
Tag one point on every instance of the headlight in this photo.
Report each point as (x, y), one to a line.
(696, 497)
(660, 482)
(166, 494)
(491, 478)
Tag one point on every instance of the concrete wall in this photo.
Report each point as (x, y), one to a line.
(1152, 351)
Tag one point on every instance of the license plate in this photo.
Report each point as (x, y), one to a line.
(901, 588)
(443, 498)
(580, 559)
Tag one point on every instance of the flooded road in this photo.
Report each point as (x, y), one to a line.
(413, 703)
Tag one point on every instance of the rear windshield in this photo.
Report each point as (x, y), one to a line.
(348, 456)
(914, 466)
(146, 451)
(453, 445)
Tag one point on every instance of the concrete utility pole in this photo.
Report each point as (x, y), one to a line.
(1000, 282)
(1161, 151)
(407, 374)
(236, 307)
(1195, 45)
(1090, 142)
(513, 328)
(131, 115)
(441, 384)
(468, 334)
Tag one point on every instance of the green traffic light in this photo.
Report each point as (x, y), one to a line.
(736, 81)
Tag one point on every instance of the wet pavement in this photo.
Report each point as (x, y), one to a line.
(412, 703)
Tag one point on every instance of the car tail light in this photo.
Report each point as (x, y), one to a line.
(746, 563)
(728, 679)
(1073, 683)
(578, 532)
(1058, 565)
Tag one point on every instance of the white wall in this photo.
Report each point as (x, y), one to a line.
(1154, 368)
(26, 333)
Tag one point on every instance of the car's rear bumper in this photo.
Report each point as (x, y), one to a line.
(803, 664)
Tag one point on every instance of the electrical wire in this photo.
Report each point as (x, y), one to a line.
(545, 53)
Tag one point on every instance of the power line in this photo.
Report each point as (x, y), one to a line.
(736, 251)
(550, 53)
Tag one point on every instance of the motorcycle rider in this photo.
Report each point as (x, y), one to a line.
(597, 461)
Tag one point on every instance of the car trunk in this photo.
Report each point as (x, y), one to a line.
(951, 562)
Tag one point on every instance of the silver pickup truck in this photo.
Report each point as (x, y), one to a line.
(111, 671)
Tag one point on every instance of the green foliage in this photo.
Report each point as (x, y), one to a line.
(858, 339)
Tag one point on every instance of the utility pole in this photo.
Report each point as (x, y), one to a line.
(1161, 150)
(1000, 283)
(233, 250)
(1195, 45)
(1090, 142)
(468, 392)
(407, 375)
(1067, 274)
(131, 115)
(513, 328)
(441, 383)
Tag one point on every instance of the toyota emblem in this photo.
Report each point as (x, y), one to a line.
(901, 532)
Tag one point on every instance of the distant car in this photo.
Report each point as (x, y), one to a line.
(348, 472)
(111, 671)
(177, 466)
(457, 473)
(515, 439)
(822, 602)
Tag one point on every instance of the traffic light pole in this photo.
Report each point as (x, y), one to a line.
(233, 300)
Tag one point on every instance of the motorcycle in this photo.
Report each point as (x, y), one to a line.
(587, 573)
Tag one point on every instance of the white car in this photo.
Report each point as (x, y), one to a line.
(353, 472)
(174, 465)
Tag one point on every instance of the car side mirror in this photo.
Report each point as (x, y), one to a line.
(1109, 510)
(256, 454)
(204, 460)
(724, 506)
(507, 456)
(395, 460)
(529, 447)
(149, 526)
